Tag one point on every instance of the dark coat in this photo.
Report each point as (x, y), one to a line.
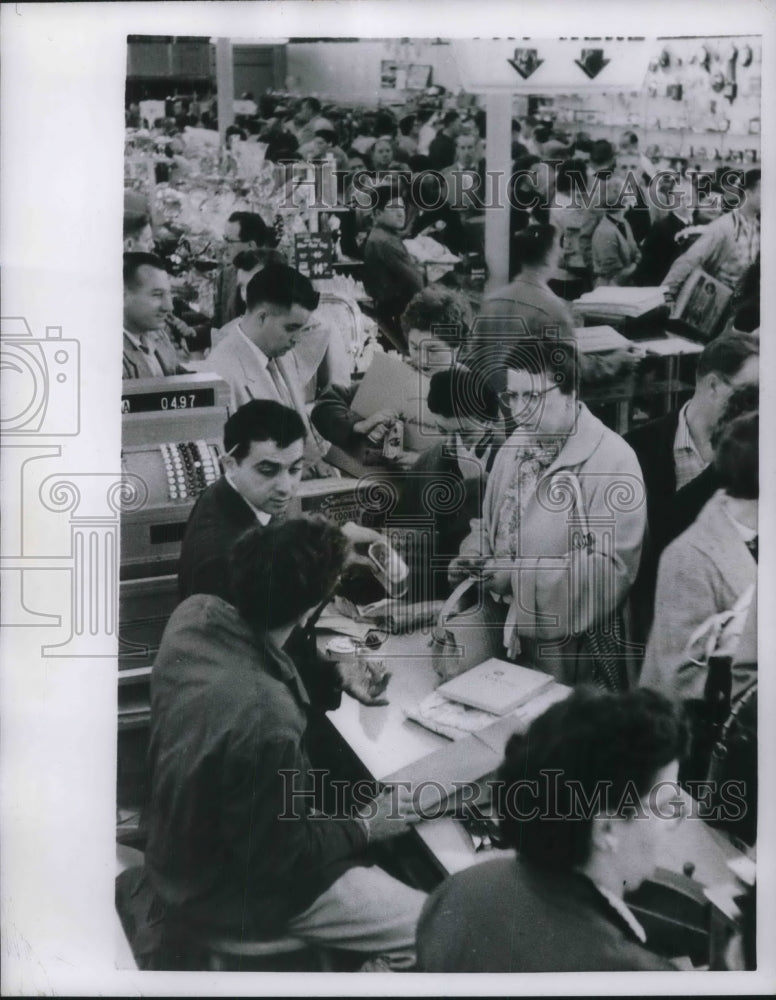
(219, 517)
(507, 916)
(228, 714)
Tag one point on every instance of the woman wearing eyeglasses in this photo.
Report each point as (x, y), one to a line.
(563, 520)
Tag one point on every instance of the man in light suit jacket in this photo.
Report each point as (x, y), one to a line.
(256, 358)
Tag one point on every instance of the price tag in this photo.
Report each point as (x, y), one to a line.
(314, 255)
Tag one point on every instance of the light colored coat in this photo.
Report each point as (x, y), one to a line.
(702, 572)
(235, 362)
(561, 587)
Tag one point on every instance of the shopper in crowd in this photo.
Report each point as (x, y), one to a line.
(447, 484)
(559, 906)
(615, 253)
(243, 231)
(708, 570)
(441, 152)
(435, 324)
(149, 350)
(728, 246)
(675, 449)
(662, 244)
(561, 466)
(526, 306)
(138, 234)
(391, 277)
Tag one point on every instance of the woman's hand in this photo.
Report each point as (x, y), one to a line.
(376, 425)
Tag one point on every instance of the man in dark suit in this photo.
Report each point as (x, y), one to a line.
(559, 905)
(675, 449)
(263, 462)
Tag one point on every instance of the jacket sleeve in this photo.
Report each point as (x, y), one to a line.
(706, 247)
(333, 418)
(267, 816)
(684, 599)
(556, 597)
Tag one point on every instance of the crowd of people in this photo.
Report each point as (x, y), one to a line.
(620, 565)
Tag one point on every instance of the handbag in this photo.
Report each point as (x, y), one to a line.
(469, 630)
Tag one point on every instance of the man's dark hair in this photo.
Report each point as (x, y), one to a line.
(747, 316)
(558, 360)
(570, 174)
(459, 392)
(602, 154)
(727, 354)
(592, 742)
(743, 399)
(134, 261)
(542, 133)
(441, 311)
(312, 103)
(135, 223)
(751, 178)
(280, 571)
(261, 420)
(253, 228)
(327, 134)
(449, 117)
(246, 260)
(385, 193)
(280, 285)
(533, 245)
(736, 457)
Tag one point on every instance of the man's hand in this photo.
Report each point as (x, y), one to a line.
(365, 681)
(390, 814)
(378, 423)
(359, 538)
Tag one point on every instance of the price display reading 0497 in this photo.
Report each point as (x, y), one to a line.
(152, 402)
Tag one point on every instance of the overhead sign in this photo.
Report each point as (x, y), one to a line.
(539, 65)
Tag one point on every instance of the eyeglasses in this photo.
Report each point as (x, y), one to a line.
(523, 399)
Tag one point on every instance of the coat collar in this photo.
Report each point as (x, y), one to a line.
(585, 438)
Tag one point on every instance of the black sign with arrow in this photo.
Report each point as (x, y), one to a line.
(526, 62)
(591, 62)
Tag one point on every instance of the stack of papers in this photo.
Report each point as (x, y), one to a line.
(597, 339)
(620, 301)
(449, 718)
(496, 686)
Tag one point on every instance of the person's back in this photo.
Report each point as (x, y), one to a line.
(509, 916)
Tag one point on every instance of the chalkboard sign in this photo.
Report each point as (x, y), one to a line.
(315, 255)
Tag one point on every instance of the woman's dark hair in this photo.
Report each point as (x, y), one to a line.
(280, 571)
(557, 360)
(459, 392)
(593, 752)
(532, 246)
(736, 457)
(441, 311)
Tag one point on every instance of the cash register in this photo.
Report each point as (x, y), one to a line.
(172, 430)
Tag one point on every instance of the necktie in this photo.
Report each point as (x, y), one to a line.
(284, 394)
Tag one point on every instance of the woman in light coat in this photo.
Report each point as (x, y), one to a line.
(563, 522)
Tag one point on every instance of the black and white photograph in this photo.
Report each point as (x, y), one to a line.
(391, 606)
